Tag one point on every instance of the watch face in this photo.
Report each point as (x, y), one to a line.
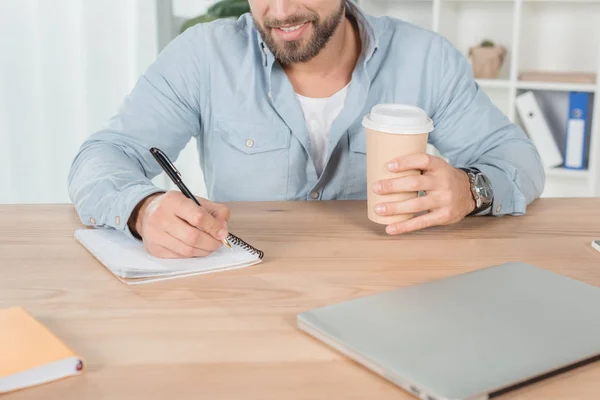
(484, 188)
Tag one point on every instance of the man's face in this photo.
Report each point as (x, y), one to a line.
(296, 30)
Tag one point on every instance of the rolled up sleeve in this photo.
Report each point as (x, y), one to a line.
(470, 131)
(113, 169)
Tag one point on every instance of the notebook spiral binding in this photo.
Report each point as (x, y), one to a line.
(246, 246)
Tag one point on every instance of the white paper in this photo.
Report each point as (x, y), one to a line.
(128, 259)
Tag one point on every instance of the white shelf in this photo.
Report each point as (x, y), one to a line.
(531, 85)
(567, 173)
(539, 35)
(570, 2)
(513, 1)
(494, 83)
(555, 86)
(562, 1)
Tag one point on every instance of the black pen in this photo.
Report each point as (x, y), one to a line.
(175, 176)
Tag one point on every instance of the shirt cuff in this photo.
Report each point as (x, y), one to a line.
(117, 214)
(507, 200)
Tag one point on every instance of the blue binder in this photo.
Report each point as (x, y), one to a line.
(577, 135)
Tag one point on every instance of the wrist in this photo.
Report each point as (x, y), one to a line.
(137, 216)
(470, 202)
(481, 190)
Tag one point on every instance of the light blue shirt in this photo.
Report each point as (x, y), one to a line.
(220, 84)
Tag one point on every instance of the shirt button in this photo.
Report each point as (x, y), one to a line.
(499, 208)
(249, 143)
(118, 220)
(93, 221)
(314, 195)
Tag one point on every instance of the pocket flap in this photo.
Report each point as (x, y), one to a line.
(252, 138)
(358, 142)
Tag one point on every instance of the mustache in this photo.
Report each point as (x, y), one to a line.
(293, 20)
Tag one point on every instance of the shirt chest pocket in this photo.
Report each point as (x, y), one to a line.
(252, 138)
(248, 160)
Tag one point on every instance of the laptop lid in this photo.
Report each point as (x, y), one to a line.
(469, 336)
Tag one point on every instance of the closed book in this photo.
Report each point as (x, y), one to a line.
(30, 354)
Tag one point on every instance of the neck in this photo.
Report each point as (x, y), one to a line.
(336, 61)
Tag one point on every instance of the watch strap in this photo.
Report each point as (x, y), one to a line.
(472, 174)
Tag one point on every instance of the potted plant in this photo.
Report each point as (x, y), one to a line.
(487, 59)
(221, 9)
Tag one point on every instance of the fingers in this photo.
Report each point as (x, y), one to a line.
(219, 211)
(201, 218)
(170, 247)
(448, 194)
(178, 247)
(411, 183)
(422, 161)
(190, 236)
(410, 206)
(173, 226)
(433, 218)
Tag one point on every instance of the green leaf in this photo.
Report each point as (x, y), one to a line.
(194, 21)
(229, 8)
(222, 9)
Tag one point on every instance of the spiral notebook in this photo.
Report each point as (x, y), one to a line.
(130, 262)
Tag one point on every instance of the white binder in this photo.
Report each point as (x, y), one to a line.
(538, 130)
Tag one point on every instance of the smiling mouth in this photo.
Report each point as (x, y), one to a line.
(292, 28)
(291, 33)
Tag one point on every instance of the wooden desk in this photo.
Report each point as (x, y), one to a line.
(232, 335)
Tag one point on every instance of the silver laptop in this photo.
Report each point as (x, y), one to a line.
(471, 336)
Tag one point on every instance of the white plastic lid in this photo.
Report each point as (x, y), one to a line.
(398, 118)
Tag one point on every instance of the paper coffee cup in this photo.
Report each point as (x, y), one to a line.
(393, 130)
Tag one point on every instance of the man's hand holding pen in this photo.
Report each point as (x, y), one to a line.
(173, 226)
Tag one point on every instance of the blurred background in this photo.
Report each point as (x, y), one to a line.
(66, 65)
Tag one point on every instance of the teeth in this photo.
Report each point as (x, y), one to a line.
(291, 28)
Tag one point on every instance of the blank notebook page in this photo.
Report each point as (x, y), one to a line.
(127, 257)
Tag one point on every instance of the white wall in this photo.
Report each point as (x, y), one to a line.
(572, 28)
(65, 67)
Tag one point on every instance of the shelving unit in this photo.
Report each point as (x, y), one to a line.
(543, 35)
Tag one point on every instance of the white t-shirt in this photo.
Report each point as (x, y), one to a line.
(319, 114)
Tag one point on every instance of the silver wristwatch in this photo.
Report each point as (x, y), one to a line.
(481, 189)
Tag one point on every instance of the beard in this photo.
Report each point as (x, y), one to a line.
(300, 51)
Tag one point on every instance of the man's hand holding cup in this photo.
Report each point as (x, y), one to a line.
(398, 168)
(447, 198)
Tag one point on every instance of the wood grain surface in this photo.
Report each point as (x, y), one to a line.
(233, 335)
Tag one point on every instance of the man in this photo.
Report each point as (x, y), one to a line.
(275, 101)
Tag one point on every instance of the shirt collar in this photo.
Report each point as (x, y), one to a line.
(369, 35)
(369, 32)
